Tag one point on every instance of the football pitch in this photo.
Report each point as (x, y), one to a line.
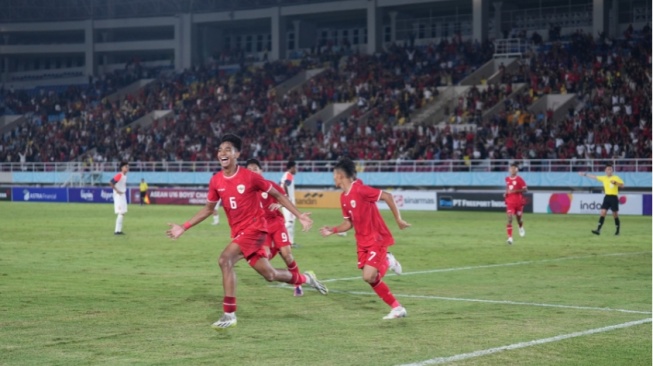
(72, 293)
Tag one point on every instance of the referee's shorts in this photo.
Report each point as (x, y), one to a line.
(610, 202)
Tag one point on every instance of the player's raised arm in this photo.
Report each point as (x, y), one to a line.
(330, 230)
(586, 174)
(176, 230)
(389, 200)
(304, 217)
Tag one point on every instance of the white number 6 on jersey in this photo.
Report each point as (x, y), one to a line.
(232, 203)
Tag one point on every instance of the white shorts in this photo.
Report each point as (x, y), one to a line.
(120, 203)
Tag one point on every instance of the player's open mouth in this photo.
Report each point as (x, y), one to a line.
(224, 160)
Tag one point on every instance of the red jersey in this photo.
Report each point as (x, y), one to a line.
(240, 199)
(359, 206)
(513, 184)
(266, 201)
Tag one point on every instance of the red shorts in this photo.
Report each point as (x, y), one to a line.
(374, 256)
(251, 243)
(514, 208)
(277, 238)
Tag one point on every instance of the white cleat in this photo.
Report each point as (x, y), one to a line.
(227, 320)
(509, 241)
(522, 232)
(398, 312)
(394, 264)
(344, 233)
(215, 222)
(311, 279)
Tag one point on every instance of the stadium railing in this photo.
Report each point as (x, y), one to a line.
(403, 166)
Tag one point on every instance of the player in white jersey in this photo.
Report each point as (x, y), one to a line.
(288, 183)
(119, 185)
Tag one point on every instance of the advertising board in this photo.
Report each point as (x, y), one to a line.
(492, 202)
(583, 203)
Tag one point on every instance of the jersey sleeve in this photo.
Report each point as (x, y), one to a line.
(369, 194)
(619, 180)
(278, 188)
(522, 182)
(116, 178)
(287, 179)
(602, 178)
(213, 196)
(260, 184)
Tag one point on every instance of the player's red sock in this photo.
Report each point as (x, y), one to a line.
(384, 293)
(293, 268)
(229, 304)
(297, 278)
(509, 230)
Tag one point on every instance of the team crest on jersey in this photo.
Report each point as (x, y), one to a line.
(264, 195)
(353, 203)
(240, 188)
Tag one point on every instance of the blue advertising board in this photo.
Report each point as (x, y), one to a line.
(30, 194)
(646, 204)
(90, 195)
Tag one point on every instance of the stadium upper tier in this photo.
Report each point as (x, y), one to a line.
(611, 120)
(64, 10)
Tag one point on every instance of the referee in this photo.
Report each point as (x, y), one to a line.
(611, 185)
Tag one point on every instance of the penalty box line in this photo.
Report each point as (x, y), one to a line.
(484, 266)
(489, 351)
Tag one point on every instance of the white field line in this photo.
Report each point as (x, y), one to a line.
(504, 302)
(493, 265)
(485, 352)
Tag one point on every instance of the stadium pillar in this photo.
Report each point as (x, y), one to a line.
(393, 26)
(598, 17)
(374, 22)
(183, 42)
(480, 15)
(613, 17)
(497, 20)
(279, 35)
(89, 49)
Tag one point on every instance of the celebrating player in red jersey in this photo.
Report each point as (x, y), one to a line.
(278, 240)
(373, 237)
(239, 189)
(515, 188)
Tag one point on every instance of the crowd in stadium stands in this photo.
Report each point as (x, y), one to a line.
(612, 120)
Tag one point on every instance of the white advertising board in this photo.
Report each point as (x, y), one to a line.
(413, 200)
(583, 203)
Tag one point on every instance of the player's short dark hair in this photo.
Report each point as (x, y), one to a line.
(123, 163)
(347, 166)
(515, 164)
(255, 162)
(609, 165)
(290, 164)
(235, 140)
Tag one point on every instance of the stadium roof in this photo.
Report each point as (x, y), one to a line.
(12, 11)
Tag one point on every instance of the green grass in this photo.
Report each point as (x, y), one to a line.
(71, 293)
